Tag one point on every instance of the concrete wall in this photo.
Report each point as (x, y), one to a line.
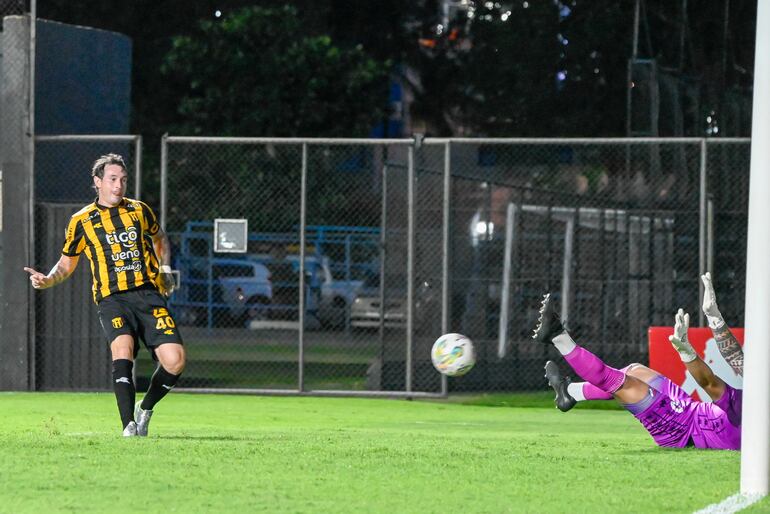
(82, 86)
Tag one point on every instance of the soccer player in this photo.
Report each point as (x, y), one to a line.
(725, 396)
(130, 259)
(671, 417)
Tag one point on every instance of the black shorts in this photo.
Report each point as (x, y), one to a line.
(141, 313)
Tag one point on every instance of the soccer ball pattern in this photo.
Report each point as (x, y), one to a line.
(453, 355)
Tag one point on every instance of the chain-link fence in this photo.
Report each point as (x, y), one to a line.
(241, 314)
(361, 252)
(404, 240)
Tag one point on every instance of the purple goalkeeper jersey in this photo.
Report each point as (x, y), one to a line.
(731, 402)
(674, 419)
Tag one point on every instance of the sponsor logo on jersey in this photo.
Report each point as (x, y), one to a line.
(168, 332)
(126, 238)
(117, 322)
(677, 406)
(122, 256)
(134, 266)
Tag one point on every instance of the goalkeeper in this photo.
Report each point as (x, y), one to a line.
(130, 259)
(726, 397)
(670, 415)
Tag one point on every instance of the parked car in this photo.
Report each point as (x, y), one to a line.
(336, 296)
(242, 289)
(330, 298)
(220, 298)
(284, 301)
(366, 309)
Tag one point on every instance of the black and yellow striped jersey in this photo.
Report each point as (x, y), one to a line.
(118, 244)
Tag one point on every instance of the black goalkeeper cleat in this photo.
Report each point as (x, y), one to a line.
(563, 400)
(548, 325)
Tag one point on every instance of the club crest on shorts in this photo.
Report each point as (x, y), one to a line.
(117, 322)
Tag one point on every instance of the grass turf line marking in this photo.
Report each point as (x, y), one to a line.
(731, 504)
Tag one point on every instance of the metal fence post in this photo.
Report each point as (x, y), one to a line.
(410, 267)
(505, 300)
(163, 180)
(567, 269)
(138, 167)
(383, 257)
(32, 365)
(302, 225)
(710, 235)
(445, 250)
(702, 226)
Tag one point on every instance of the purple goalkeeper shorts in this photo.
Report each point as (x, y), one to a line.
(675, 420)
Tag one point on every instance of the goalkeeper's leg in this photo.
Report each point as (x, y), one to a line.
(568, 393)
(626, 389)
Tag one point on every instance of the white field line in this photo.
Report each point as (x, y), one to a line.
(731, 504)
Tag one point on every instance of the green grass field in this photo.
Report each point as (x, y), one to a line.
(213, 453)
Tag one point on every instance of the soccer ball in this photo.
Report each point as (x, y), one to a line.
(453, 355)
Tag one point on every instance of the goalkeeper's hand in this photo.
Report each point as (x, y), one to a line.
(710, 308)
(681, 324)
(166, 282)
(679, 339)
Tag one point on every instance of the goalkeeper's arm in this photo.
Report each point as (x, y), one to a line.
(726, 342)
(162, 247)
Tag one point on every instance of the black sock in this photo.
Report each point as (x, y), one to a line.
(161, 383)
(125, 392)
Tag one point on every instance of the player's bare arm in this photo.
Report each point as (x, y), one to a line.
(58, 274)
(726, 342)
(162, 247)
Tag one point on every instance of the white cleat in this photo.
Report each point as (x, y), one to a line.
(130, 430)
(142, 419)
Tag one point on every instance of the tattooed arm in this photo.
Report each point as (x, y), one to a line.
(729, 347)
(58, 274)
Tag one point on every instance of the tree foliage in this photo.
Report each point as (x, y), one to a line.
(255, 73)
(521, 69)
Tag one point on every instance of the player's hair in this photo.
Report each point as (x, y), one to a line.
(97, 170)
